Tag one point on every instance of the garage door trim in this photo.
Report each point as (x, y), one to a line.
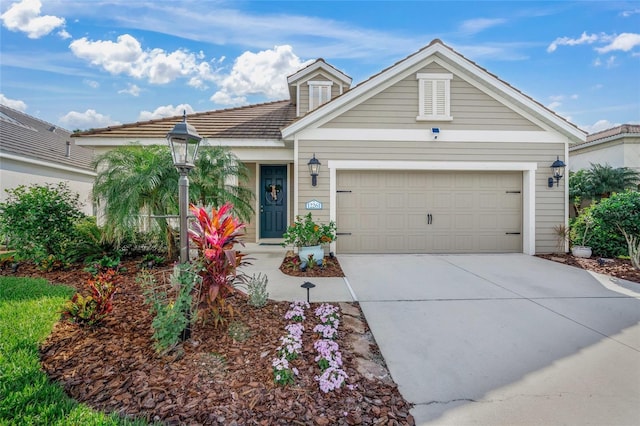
(528, 184)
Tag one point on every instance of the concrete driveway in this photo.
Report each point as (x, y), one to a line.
(503, 339)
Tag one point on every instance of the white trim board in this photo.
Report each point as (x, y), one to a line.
(49, 164)
(528, 185)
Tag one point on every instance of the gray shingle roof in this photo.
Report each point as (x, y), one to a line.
(261, 121)
(27, 136)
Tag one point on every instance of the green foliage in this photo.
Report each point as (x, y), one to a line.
(28, 310)
(305, 232)
(215, 236)
(151, 260)
(136, 182)
(40, 222)
(238, 331)
(257, 290)
(92, 310)
(104, 264)
(90, 243)
(600, 181)
(170, 305)
(620, 214)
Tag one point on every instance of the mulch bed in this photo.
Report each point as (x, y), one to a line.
(212, 379)
(330, 267)
(619, 268)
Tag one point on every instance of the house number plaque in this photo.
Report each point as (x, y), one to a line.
(313, 205)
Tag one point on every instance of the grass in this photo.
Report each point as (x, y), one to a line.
(28, 310)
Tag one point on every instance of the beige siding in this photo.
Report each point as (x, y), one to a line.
(304, 90)
(250, 235)
(397, 108)
(549, 201)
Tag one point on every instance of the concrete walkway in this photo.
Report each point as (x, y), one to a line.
(491, 339)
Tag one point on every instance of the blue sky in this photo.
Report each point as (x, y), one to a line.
(87, 64)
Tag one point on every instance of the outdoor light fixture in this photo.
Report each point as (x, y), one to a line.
(308, 286)
(314, 170)
(558, 171)
(184, 141)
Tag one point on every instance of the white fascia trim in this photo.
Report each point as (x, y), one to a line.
(434, 76)
(107, 142)
(528, 184)
(319, 83)
(48, 164)
(296, 160)
(419, 135)
(319, 65)
(257, 155)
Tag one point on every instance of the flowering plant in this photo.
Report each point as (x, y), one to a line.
(282, 373)
(329, 358)
(306, 233)
(296, 311)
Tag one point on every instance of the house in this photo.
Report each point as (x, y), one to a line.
(33, 151)
(431, 155)
(617, 147)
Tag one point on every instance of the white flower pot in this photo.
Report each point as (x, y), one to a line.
(316, 251)
(581, 251)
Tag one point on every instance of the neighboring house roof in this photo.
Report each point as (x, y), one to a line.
(474, 71)
(261, 121)
(25, 137)
(607, 135)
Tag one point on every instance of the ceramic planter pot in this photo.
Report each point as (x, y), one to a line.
(305, 252)
(581, 251)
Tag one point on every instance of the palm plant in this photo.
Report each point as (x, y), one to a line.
(603, 180)
(137, 180)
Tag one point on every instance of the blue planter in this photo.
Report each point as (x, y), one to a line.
(316, 251)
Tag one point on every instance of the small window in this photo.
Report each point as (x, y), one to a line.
(319, 93)
(434, 97)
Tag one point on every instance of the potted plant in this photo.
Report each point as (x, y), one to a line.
(580, 237)
(309, 237)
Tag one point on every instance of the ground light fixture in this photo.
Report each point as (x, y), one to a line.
(184, 141)
(308, 285)
(314, 170)
(558, 171)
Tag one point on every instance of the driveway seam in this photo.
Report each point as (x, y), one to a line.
(533, 300)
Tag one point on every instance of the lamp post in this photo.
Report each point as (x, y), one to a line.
(184, 141)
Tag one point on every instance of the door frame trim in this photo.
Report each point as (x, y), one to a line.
(257, 199)
(528, 170)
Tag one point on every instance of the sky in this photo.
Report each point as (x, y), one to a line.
(84, 64)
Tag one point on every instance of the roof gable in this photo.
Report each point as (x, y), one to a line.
(448, 58)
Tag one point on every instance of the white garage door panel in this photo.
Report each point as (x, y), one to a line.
(386, 212)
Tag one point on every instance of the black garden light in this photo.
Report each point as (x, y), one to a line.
(308, 285)
(314, 170)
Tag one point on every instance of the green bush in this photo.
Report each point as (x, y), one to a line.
(40, 222)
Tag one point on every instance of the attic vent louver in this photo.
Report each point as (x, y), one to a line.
(52, 129)
(68, 153)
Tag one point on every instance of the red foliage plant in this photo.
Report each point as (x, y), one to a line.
(215, 235)
(91, 310)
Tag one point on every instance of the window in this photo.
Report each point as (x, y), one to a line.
(319, 93)
(434, 97)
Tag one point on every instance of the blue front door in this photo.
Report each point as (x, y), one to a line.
(273, 201)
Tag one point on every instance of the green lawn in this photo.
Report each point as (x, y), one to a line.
(28, 310)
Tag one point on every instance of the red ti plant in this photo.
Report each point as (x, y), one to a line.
(215, 236)
(92, 310)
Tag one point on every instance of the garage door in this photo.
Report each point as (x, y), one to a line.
(429, 212)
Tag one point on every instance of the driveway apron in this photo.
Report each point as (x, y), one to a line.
(503, 339)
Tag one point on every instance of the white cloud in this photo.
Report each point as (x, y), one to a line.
(567, 41)
(624, 42)
(554, 105)
(13, 103)
(126, 56)
(609, 63)
(599, 126)
(91, 83)
(90, 119)
(628, 13)
(64, 34)
(473, 26)
(131, 89)
(260, 73)
(25, 16)
(165, 111)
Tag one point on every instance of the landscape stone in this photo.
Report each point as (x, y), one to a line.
(350, 310)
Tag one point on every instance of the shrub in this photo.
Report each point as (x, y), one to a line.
(306, 233)
(170, 305)
(92, 310)
(40, 222)
(603, 239)
(257, 290)
(620, 215)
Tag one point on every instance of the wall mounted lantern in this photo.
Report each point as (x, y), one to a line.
(558, 171)
(184, 141)
(314, 170)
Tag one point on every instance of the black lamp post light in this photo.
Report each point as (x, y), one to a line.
(314, 170)
(184, 141)
(308, 285)
(558, 171)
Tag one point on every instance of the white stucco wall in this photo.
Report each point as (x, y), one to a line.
(14, 173)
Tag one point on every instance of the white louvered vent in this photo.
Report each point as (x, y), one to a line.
(434, 97)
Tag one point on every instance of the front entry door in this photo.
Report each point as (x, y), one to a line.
(273, 201)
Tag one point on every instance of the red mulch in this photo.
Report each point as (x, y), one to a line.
(618, 268)
(212, 379)
(330, 267)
